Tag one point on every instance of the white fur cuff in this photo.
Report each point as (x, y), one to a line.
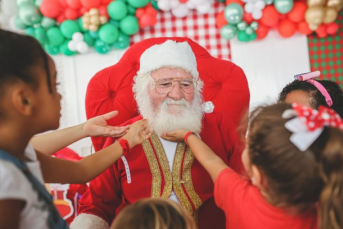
(88, 221)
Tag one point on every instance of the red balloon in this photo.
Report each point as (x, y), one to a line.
(228, 2)
(332, 28)
(74, 4)
(140, 12)
(303, 28)
(262, 31)
(321, 31)
(248, 18)
(63, 3)
(149, 9)
(51, 9)
(91, 3)
(71, 14)
(220, 20)
(106, 2)
(103, 11)
(286, 28)
(297, 14)
(146, 20)
(60, 18)
(270, 16)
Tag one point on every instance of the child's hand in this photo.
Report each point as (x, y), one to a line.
(138, 132)
(98, 126)
(175, 136)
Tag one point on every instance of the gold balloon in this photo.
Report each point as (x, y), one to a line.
(93, 27)
(330, 15)
(315, 16)
(94, 12)
(311, 3)
(103, 19)
(336, 4)
(95, 20)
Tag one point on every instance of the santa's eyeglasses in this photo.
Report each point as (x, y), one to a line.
(164, 86)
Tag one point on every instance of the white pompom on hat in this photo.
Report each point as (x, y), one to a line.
(169, 54)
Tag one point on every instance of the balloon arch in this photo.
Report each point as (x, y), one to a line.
(73, 26)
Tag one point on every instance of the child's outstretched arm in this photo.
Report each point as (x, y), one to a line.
(207, 158)
(50, 143)
(57, 170)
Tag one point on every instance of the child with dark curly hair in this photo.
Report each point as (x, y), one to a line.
(313, 93)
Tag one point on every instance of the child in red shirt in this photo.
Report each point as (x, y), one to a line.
(294, 158)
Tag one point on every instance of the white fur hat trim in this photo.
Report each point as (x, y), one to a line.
(169, 54)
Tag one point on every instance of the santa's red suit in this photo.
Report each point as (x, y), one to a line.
(150, 175)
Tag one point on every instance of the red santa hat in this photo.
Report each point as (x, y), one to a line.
(169, 54)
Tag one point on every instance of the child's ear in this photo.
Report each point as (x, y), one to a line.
(23, 100)
(257, 176)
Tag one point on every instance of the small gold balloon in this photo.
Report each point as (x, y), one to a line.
(86, 14)
(315, 15)
(94, 12)
(85, 25)
(93, 27)
(311, 3)
(85, 19)
(95, 20)
(336, 4)
(330, 15)
(103, 19)
(312, 27)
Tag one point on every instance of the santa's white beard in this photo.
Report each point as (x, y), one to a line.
(172, 114)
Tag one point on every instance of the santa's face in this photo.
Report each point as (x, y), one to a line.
(170, 100)
(168, 89)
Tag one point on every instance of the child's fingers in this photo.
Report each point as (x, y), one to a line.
(110, 115)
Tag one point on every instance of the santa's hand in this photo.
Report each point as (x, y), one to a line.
(98, 126)
(175, 136)
(138, 132)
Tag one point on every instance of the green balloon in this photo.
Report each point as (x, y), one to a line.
(122, 42)
(138, 3)
(253, 36)
(254, 25)
(108, 33)
(131, 10)
(41, 35)
(249, 30)
(228, 32)
(65, 50)
(29, 14)
(154, 4)
(242, 25)
(243, 36)
(114, 22)
(47, 22)
(38, 3)
(101, 47)
(283, 6)
(81, 24)
(19, 2)
(30, 31)
(233, 13)
(52, 50)
(88, 39)
(19, 23)
(117, 10)
(125, 1)
(129, 25)
(55, 36)
(268, 2)
(93, 34)
(69, 27)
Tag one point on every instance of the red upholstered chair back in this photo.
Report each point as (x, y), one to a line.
(110, 89)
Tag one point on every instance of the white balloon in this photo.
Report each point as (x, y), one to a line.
(175, 3)
(77, 36)
(257, 14)
(249, 7)
(164, 5)
(260, 5)
(82, 47)
(191, 5)
(181, 11)
(72, 45)
(204, 8)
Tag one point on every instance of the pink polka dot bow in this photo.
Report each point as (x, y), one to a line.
(308, 124)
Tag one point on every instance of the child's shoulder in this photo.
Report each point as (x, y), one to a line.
(12, 180)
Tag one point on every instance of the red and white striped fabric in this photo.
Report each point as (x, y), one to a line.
(200, 28)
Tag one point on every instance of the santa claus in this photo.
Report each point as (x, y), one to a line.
(168, 92)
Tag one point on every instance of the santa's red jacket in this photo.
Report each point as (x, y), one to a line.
(151, 176)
